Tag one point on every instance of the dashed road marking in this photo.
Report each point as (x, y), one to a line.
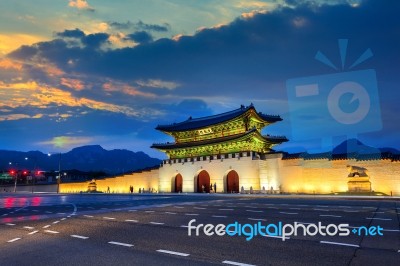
(170, 212)
(236, 263)
(109, 218)
(149, 211)
(156, 223)
(289, 213)
(134, 221)
(381, 219)
(10, 224)
(225, 209)
(13, 240)
(199, 208)
(192, 214)
(33, 232)
(46, 226)
(330, 215)
(88, 216)
(56, 222)
(253, 211)
(51, 231)
(219, 216)
(120, 244)
(29, 227)
(255, 219)
(62, 219)
(340, 244)
(172, 252)
(323, 210)
(81, 237)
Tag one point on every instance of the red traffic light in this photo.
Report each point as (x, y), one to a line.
(25, 172)
(12, 172)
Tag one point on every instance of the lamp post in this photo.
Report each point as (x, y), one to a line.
(59, 171)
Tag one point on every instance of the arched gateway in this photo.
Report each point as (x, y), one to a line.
(232, 182)
(178, 183)
(203, 182)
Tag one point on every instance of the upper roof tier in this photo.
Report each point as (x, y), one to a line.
(202, 122)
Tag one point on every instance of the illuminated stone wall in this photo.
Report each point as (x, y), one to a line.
(324, 176)
(245, 166)
(119, 184)
(320, 176)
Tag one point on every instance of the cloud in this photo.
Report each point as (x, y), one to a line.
(75, 84)
(140, 25)
(141, 37)
(65, 141)
(125, 89)
(157, 83)
(76, 33)
(81, 5)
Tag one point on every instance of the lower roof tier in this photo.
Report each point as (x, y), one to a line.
(251, 140)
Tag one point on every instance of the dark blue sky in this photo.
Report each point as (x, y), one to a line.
(109, 79)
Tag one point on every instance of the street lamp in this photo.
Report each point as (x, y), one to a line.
(59, 171)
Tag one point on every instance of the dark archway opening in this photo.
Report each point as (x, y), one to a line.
(203, 182)
(178, 183)
(232, 182)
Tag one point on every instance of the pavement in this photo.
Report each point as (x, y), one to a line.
(139, 229)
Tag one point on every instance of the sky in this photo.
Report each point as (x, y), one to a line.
(77, 72)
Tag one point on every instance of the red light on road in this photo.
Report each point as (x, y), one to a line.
(25, 172)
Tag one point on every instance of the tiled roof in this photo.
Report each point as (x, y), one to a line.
(174, 145)
(195, 123)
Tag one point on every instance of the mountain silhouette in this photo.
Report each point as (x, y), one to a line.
(85, 158)
(356, 146)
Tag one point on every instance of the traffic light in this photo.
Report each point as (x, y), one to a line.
(12, 172)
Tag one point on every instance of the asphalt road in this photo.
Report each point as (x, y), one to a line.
(153, 230)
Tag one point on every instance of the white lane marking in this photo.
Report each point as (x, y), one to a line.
(48, 212)
(89, 216)
(184, 226)
(340, 244)
(225, 209)
(381, 219)
(192, 214)
(61, 213)
(199, 208)
(13, 240)
(56, 222)
(219, 216)
(173, 252)
(350, 211)
(62, 219)
(253, 211)
(277, 237)
(303, 205)
(29, 227)
(254, 219)
(323, 210)
(329, 215)
(156, 223)
(149, 211)
(289, 212)
(391, 230)
(170, 212)
(109, 218)
(322, 206)
(10, 224)
(120, 244)
(33, 232)
(236, 263)
(132, 211)
(81, 237)
(46, 226)
(368, 207)
(51, 231)
(135, 221)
